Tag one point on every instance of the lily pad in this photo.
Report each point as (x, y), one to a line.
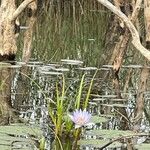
(5, 147)
(115, 105)
(21, 129)
(71, 62)
(98, 119)
(88, 68)
(99, 99)
(51, 73)
(19, 136)
(97, 143)
(144, 146)
(111, 133)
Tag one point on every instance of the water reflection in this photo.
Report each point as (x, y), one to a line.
(34, 86)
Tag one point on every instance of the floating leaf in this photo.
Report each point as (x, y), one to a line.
(115, 105)
(62, 69)
(50, 73)
(5, 147)
(19, 136)
(71, 62)
(97, 143)
(99, 99)
(108, 96)
(118, 100)
(21, 129)
(88, 68)
(133, 66)
(144, 146)
(110, 133)
(98, 119)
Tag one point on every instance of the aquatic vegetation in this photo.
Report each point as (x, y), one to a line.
(112, 139)
(20, 136)
(80, 118)
(58, 111)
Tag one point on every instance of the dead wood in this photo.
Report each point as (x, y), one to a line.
(29, 32)
(147, 21)
(8, 49)
(117, 59)
(135, 35)
(140, 98)
(20, 9)
(8, 15)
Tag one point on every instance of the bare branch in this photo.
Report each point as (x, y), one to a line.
(21, 7)
(135, 36)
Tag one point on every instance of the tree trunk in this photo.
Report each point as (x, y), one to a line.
(8, 46)
(5, 93)
(140, 98)
(8, 15)
(32, 8)
(8, 49)
(147, 21)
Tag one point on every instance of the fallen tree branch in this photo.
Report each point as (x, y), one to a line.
(135, 35)
(21, 7)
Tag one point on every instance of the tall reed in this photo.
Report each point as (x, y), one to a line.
(70, 29)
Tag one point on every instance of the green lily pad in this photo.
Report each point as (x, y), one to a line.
(19, 136)
(144, 146)
(98, 119)
(111, 133)
(5, 147)
(115, 105)
(97, 143)
(21, 129)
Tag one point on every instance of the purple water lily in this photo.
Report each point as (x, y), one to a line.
(80, 118)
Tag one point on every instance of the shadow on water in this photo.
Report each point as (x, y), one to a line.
(34, 87)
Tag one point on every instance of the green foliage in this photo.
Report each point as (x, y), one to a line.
(97, 143)
(68, 124)
(42, 144)
(89, 91)
(112, 139)
(15, 135)
(58, 112)
(143, 146)
(98, 119)
(111, 133)
(79, 35)
(78, 99)
(57, 117)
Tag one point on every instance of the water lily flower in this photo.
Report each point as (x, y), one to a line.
(80, 118)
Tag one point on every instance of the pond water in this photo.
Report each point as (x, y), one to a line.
(34, 88)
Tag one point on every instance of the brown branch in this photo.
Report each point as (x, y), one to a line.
(147, 21)
(29, 32)
(21, 7)
(136, 10)
(135, 36)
